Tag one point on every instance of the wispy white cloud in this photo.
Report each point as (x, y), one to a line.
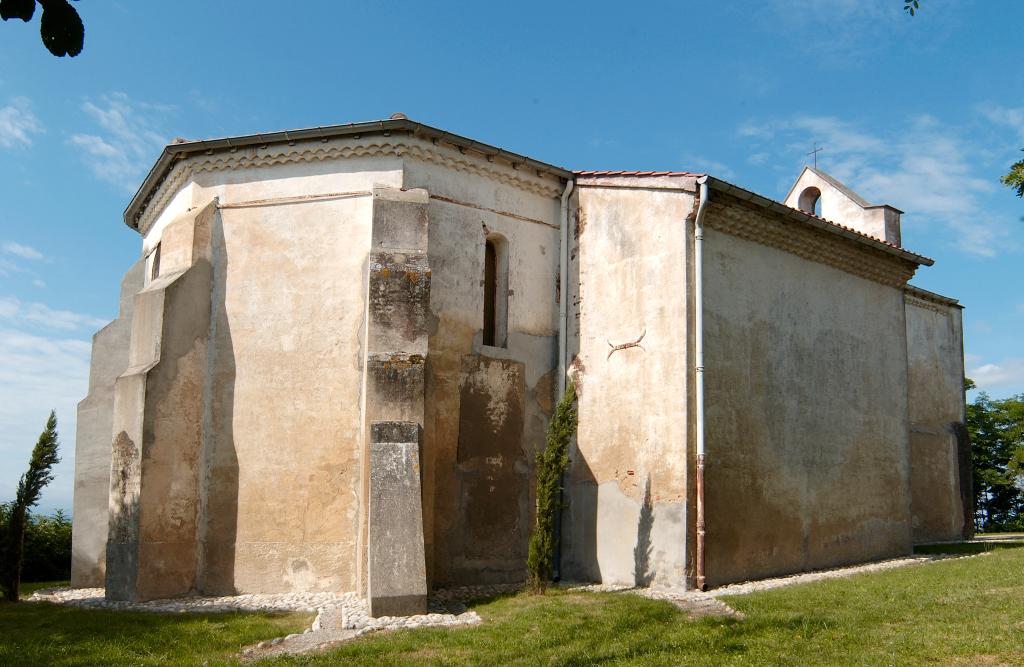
(127, 141)
(45, 365)
(39, 373)
(23, 251)
(835, 29)
(18, 123)
(702, 164)
(759, 158)
(921, 166)
(1011, 117)
(1006, 373)
(40, 315)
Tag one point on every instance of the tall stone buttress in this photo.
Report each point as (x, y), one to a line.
(397, 320)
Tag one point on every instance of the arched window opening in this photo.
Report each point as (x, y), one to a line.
(495, 291)
(810, 201)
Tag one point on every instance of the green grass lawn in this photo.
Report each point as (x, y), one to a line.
(46, 634)
(962, 612)
(965, 612)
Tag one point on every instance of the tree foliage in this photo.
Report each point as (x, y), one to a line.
(997, 447)
(30, 486)
(911, 6)
(1015, 177)
(551, 463)
(60, 26)
(47, 555)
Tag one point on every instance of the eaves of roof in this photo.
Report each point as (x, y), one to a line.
(177, 151)
(815, 221)
(914, 290)
(776, 207)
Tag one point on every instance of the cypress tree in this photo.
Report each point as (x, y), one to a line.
(30, 486)
(551, 463)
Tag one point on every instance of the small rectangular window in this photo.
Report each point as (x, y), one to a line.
(153, 264)
(495, 331)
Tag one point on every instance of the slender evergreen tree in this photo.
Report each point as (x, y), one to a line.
(30, 486)
(551, 463)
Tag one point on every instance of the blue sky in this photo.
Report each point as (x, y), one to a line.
(922, 113)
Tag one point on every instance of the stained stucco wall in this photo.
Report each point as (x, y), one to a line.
(93, 437)
(808, 463)
(486, 406)
(278, 492)
(627, 486)
(936, 403)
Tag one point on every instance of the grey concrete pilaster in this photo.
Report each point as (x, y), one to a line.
(397, 584)
(398, 314)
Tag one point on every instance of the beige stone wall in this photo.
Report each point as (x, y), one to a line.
(155, 475)
(806, 412)
(936, 403)
(626, 519)
(279, 494)
(487, 407)
(284, 414)
(279, 490)
(93, 437)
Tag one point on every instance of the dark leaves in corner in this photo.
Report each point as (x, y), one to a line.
(17, 9)
(61, 28)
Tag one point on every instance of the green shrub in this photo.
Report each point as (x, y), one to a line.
(47, 545)
(551, 463)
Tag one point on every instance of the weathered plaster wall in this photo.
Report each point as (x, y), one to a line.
(279, 490)
(284, 413)
(936, 402)
(157, 423)
(806, 413)
(93, 436)
(627, 486)
(487, 407)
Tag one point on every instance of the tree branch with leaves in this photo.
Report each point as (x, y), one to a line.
(1015, 177)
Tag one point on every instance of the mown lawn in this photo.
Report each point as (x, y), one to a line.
(46, 634)
(963, 612)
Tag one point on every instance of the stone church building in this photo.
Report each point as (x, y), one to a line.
(340, 349)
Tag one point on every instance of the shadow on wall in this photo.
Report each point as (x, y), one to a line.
(220, 460)
(579, 523)
(642, 551)
(583, 549)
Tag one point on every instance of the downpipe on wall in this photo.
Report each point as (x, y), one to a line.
(563, 289)
(563, 352)
(698, 323)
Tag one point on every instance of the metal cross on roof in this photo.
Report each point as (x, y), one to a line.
(815, 152)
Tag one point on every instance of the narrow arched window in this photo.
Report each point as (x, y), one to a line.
(810, 201)
(495, 291)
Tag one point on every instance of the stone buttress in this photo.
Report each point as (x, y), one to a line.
(398, 308)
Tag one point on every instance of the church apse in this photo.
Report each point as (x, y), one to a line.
(356, 328)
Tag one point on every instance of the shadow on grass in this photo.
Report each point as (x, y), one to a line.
(966, 547)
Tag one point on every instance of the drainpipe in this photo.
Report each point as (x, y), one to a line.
(698, 323)
(563, 347)
(563, 287)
